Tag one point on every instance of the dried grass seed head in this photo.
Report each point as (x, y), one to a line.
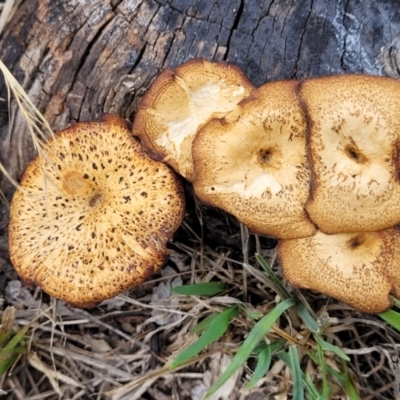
(353, 141)
(180, 102)
(95, 215)
(253, 163)
(360, 269)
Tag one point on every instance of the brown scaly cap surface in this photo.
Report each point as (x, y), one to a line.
(353, 139)
(99, 221)
(183, 100)
(253, 163)
(360, 269)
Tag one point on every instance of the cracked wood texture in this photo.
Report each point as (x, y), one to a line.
(79, 58)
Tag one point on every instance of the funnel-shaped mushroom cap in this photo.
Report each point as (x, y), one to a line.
(253, 163)
(360, 269)
(94, 215)
(354, 125)
(180, 102)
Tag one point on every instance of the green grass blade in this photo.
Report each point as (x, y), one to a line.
(322, 364)
(307, 318)
(201, 289)
(7, 324)
(298, 391)
(5, 364)
(215, 330)
(312, 392)
(4, 337)
(10, 351)
(253, 339)
(319, 358)
(285, 358)
(252, 314)
(291, 359)
(276, 346)
(345, 381)
(392, 318)
(349, 387)
(18, 337)
(282, 291)
(263, 364)
(203, 325)
(304, 314)
(396, 301)
(330, 347)
(6, 353)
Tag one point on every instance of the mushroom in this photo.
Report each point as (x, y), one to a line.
(181, 101)
(93, 217)
(253, 163)
(360, 269)
(353, 141)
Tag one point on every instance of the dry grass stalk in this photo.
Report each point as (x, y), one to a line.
(39, 128)
(7, 11)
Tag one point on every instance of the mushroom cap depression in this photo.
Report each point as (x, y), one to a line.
(253, 163)
(94, 215)
(181, 101)
(353, 140)
(360, 269)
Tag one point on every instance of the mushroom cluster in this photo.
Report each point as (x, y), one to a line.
(314, 163)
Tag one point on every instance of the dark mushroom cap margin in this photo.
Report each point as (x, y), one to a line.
(94, 216)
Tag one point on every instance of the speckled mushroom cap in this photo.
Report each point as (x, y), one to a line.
(181, 101)
(253, 163)
(353, 139)
(97, 221)
(360, 269)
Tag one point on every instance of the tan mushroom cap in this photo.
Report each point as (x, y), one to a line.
(253, 163)
(360, 269)
(97, 221)
(183, 100)
(354, 125)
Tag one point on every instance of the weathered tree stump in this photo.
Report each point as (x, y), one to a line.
(78, 59)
